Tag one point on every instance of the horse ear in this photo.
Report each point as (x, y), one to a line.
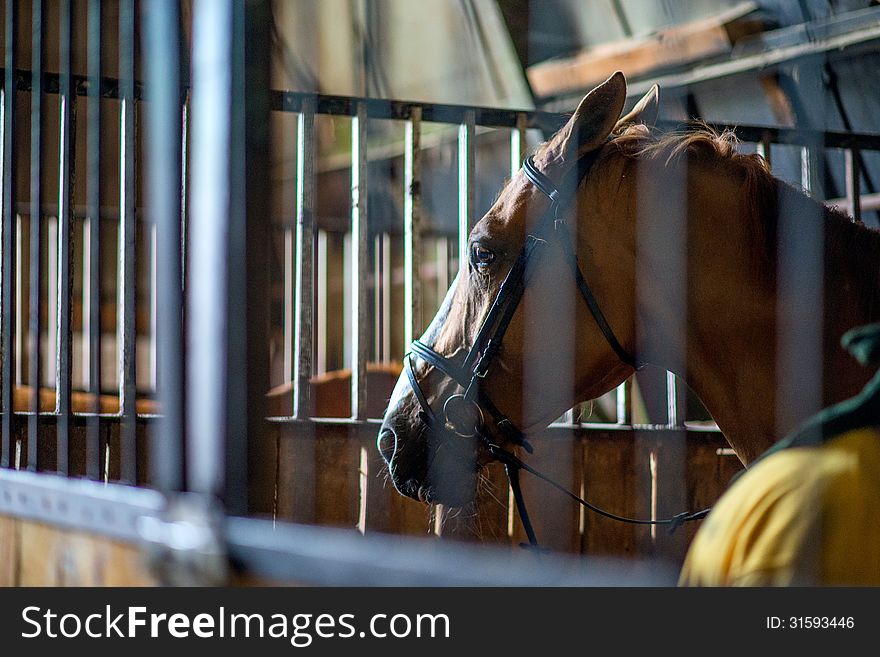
(645, 111)
(592, 121)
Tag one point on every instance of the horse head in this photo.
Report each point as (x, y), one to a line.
(554, 352)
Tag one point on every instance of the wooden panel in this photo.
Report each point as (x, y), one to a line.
(609, 482)
(556, 518)
(124, 565)
(709, 471)
(81, 561)
(8, 552)
(662, 491)
(296, 473)
(387, 510)
(320, 481)
(37, 554)
(40, 555)
(337, 481)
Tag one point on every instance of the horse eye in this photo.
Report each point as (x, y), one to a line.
(481, 256)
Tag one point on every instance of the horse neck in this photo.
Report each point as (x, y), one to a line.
(738, 315)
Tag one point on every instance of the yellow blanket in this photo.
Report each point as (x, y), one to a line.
(802, 516)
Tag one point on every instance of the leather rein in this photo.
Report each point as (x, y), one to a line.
(465, 414)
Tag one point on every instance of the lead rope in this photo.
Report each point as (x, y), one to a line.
(512, 466)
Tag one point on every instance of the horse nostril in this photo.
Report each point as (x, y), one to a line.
(385, 443)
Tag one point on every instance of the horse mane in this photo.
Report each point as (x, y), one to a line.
(764, 195)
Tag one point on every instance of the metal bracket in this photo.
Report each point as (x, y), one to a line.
(185, 544)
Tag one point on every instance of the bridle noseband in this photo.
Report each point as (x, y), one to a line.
(465, 414)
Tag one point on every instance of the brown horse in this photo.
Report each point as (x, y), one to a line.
(676, 235)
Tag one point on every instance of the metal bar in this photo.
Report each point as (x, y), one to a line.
(227, 319)
(93, 202)
(321, 300)
(675, 409)
(127, 329)
(518, 143)
(384, 283)
(360, 253)
(66, 163)
(184, 182)
(853, 174)
(764, 149)
(623, 407)
(305, 237)
(50, 362)
(412, 229)
(320, 555)
(206, 330)
(152, 240)
(106, 510)
(466, 188)
(251, 157)
(288, 272)
(865, 29)
(20, 330)
(292, 101)
(164, 165)
(810, 180)
(313, 555)
(9, 265)
(36, 231)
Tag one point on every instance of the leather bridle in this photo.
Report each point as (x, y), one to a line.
(465, 414)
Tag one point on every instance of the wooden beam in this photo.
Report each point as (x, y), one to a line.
(679, 44)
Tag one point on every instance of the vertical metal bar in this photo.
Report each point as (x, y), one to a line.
(763, 149)
(164, 164)
(251, 162)
(36, 238)
(184, 178)
(154, 308)
(378, 282)
(853, 174)
(49, 363)
(518, 143)
(412, 228)
(64, 295)
(674, 415)
(93, 211)
(85, 340)
(127, 330)
(320, 309)
(800, 276)
(207, 368)
(7, 321)
(810, 171)
(305, 227)
(384, 282)
(289, 281)
(466, 187)
(623, 415)
(20, 332)
(359, 252)
(227, 319)
(289, 272)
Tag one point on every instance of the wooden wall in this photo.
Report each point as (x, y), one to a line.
(331, 474)
(36, 554)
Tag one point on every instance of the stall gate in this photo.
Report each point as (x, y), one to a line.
(145, 251)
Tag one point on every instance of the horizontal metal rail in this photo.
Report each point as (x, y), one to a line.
(486, 117)
(312, 555)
